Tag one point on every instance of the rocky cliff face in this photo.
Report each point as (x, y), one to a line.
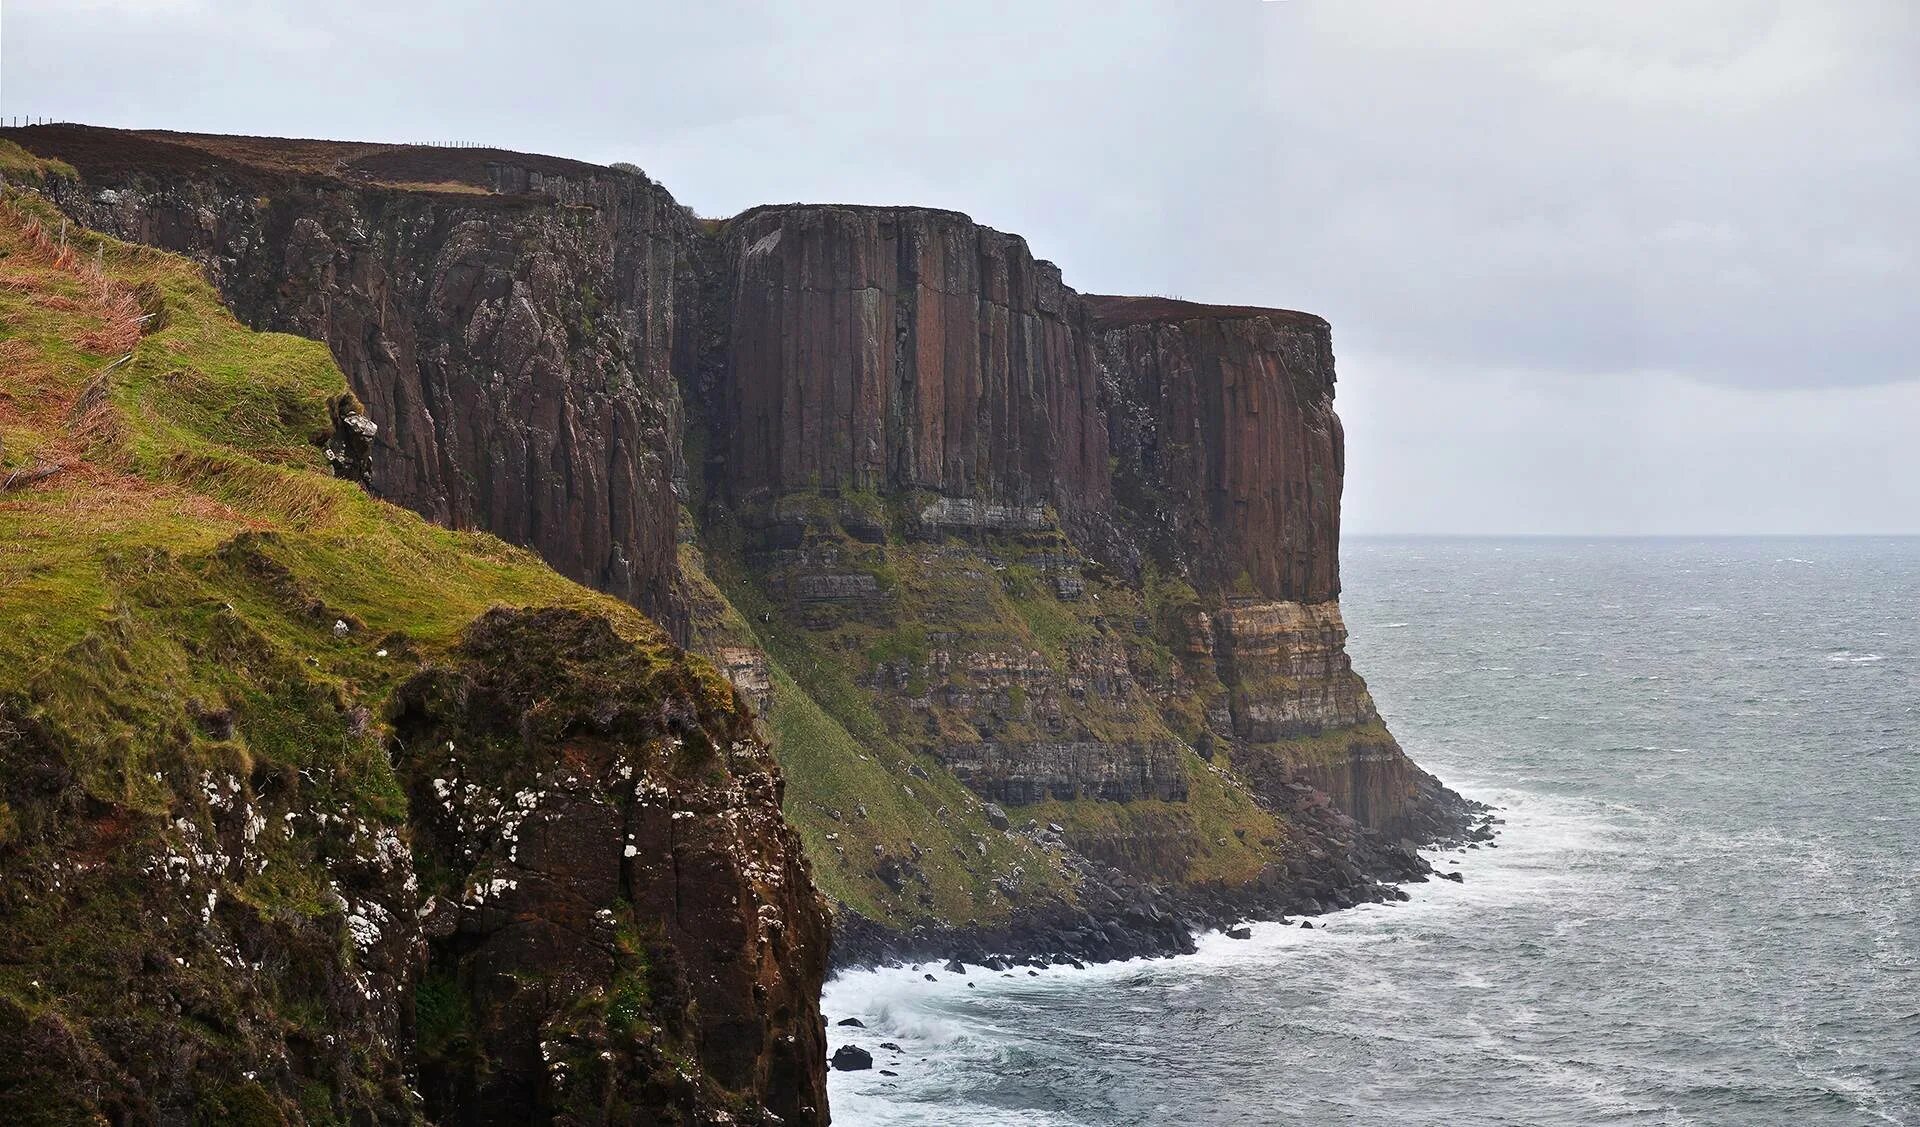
(1079, 552)
(617, 883)
(904, 348)
(298, 824)
(1034, 592)
(1228, 454)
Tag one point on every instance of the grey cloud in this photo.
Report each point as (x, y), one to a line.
(1717, 191)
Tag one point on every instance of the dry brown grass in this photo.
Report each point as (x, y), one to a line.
(113, 304)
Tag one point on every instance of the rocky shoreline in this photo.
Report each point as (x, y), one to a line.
(1119, 919)
(1031, 595)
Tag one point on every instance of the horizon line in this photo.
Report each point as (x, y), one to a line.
(1632, 535)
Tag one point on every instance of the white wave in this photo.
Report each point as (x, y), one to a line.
(1848, 657)
(956, 1029)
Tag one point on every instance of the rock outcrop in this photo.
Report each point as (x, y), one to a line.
(904, 348)
(1228, 454)
(617, 882)
(1022, 773)
(1286, 669)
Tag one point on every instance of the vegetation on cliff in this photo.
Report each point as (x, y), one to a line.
(284, 798)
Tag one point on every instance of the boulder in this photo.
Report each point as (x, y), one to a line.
(851, 1058)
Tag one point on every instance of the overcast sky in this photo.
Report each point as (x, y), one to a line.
(1591, 267)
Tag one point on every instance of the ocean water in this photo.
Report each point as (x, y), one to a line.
(1702, 908)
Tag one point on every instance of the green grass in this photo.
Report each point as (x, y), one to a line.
(844, 744)
(1218, 835)
(168, 601)
(17, 163)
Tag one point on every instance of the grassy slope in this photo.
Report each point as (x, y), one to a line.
(208, 432)
(168, 598)
(839, 760)
(843, 745)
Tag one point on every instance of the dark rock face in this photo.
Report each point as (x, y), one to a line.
(614, 860)
(1229, 454)
(1021, 773)
(907, 348)
(516, 350)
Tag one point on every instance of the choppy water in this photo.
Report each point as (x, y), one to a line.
(1702, 909)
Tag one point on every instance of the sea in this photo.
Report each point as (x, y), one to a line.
(1701, 907)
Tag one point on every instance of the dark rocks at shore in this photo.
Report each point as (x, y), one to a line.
(851, 1058)
(954, 967)
(1308, 924)
(853, 1022)
(1122, 918)
(1118, 918)
(1454, 877)
(1242, 932)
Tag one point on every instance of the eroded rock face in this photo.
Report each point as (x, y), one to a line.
(1021, 773)
(1287, 669)
(617, 888)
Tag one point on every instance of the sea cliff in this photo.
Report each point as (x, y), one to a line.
(1034, 594)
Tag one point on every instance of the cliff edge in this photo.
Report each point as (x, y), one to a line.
(314, 812)
(1034, 593)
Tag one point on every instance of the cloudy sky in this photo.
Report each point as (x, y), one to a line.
(1592, 267)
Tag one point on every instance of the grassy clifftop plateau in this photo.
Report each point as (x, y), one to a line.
(280, 825)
